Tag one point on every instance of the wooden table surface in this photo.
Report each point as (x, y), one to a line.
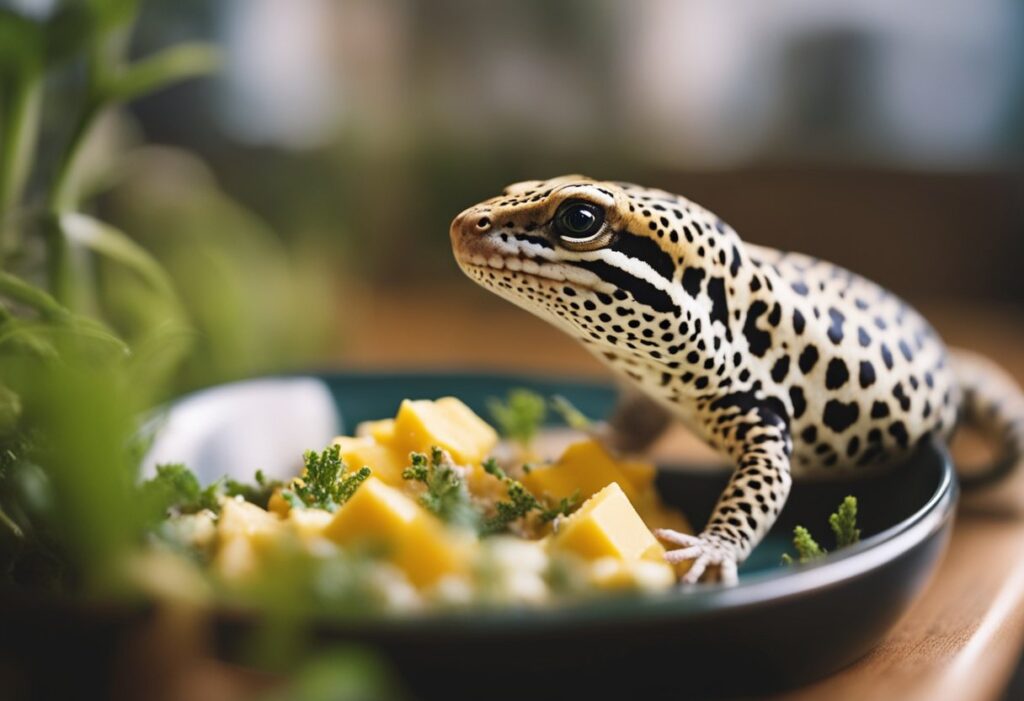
(961, 640)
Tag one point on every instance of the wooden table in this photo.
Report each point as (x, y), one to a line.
(961, 640)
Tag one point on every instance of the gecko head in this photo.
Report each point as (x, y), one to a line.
(602, 260)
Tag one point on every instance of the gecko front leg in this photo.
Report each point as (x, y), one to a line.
(749, 505)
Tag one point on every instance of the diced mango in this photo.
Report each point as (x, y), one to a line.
(387, 464)
(278, 505)
(639, 472)
(382, 431)
(586, 467)
(244, 530)
(241, 519)
(415, 540)
(447, 423)
(607, 525)
(309, 523)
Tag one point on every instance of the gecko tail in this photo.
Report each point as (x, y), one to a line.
(993, 404)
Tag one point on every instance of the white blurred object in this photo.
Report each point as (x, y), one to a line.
(280, 84)
(235, 429)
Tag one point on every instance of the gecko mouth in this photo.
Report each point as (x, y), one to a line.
(527, 266)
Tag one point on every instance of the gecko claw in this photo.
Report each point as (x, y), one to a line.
(705, 553)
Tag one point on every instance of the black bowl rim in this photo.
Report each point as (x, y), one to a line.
(754, 589)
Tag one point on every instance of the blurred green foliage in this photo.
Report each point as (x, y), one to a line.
(126, 277)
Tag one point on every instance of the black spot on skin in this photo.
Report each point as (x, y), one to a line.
(898, 431)
(809, 434)
(901, 396)
(798, 322)
(769, 409)
(835, 330)
(776, 315)
(867, 374)
(692, 278)
(905, 350)
(800, 288)
(796, 396)
(862, 337)
(734, 267)
(758, 340)
(780, 369)
(647, 250)
(879, 410)
(852, 447)
(642, 291)
(719, 303)
(837, 374)
(808, 359)
(886, 356)
(839, 416)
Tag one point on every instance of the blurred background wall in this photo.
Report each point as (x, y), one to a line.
(883, 135)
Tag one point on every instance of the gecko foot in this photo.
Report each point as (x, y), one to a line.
(705, 552)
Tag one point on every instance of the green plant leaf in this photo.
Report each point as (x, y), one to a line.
(161, 69)
(108, 241)
(17, 290)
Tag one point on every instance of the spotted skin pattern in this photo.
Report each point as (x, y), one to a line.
(786, 364)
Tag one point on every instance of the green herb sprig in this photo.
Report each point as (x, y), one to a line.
(325, 483)
(844, 526)
(446, 496)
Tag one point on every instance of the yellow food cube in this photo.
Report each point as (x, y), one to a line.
(607, 525)
(382, 431)
(640, 473)
(447, 423)
(309, 523)
(244, 530)
(584, 466)
(387, 463)
(414, 539)
(240, 518)
(277, 504)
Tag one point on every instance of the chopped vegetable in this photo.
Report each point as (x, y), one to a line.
(258, 493)
(844, 523)
(324, 484)
(175, 488)
(806, 547)
(520, 416)
(521, 502)
(564, 507)
(447, 496)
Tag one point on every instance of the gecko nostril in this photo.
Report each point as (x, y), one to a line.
(483, 223)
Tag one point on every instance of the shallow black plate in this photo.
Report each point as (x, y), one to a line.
(781, 626)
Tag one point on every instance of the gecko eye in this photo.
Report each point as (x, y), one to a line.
(579, 224)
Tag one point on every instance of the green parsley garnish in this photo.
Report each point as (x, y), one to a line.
(176, 488)
(258, 493)
(520, 416)
(324, 483)
(521, 503)
(844, 526)
(446, 495)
